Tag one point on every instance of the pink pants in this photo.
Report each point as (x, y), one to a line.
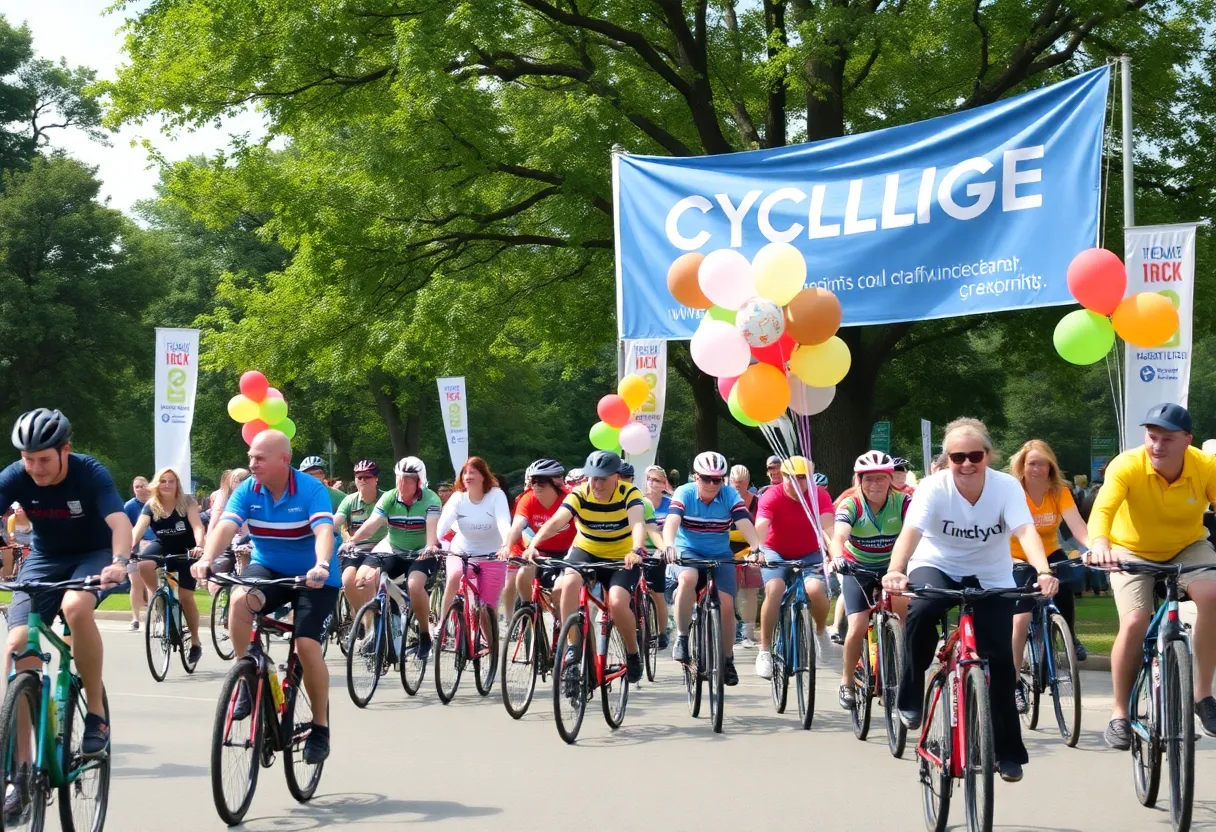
(489, 581)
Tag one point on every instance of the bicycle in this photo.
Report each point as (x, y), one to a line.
(467, 634)
(1049, 664)
(706, 649)
(647, 615)
(166, 631)
(43, 721)
(378, 639)
(602, 666)
(881, 662)
(529, 651)
(279, 717)
(793, 652)
(219, 607)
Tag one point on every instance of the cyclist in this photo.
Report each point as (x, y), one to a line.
(902, 467)
(747, 575)
(867, 524)
(698, 525)
(80, 530)
(411, 513)
(355, 510)
(1150, 508)
(657, 494)
(609, 515)
(481, 517)
(957, 534)
(772, 467)
(543, 497)
(783, 520)
(292, 531)
(314, 466)
(575, 478)
(140, 491)
(173, 516)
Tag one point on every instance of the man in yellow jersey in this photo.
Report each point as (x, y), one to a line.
(1151, 509)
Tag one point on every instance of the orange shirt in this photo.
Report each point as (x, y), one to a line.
(1047, 519)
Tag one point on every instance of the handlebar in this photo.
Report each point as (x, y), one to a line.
(230, 579)
(558, 563)
(1162, 570)
(968, 593)
(165, 560)
(35, 587)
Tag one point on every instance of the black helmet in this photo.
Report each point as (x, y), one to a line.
(41, 429)
(602, 464)
(627, 470)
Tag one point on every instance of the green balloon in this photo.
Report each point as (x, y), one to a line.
(1084, 337)
(604, 436)
(732, 403)
(287, 426)
(720, 314)
(273, 411)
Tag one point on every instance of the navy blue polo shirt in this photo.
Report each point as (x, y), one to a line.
(69, 518)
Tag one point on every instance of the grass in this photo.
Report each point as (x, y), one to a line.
(1097, 623)
(122, 601)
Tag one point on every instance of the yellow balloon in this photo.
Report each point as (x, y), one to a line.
(242, 409)
(634, 390)
(822, 365)
(779, 270)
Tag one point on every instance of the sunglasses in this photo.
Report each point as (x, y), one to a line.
(365, 477)
(711, 480)
(974, 457)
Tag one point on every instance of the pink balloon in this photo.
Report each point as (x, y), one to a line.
(254, 385)
(724, 386)
(725, 276)
(272, 393)
(719, 349)
(635, 438)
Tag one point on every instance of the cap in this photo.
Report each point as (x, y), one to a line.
(1169, 417)
(772, 460)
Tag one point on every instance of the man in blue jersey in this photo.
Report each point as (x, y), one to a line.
(291, 528)
(141, 491)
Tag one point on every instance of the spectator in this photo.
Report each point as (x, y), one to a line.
(444, 492)
(141, 491)
(20, 533)
(748, 575)
(772, 467)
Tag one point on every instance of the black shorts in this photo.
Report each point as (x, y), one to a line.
(656, 575)
(858, 591)
(312, 608)
(358, 557)
(396, 565)
(185, 580)
(625, 578)
(1025, 575)
(41, 567)
(548, 577)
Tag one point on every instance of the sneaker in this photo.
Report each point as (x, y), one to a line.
(570, 674)
(1082, 653)
(1010, 771)
(16, 798)
(848, 698)
(664, 641)
(96, 740)
(1205, 709)
(1118, 734)
(1019, 699)
(764, 664)
(424, 647)
(316, 747)
(837, 637)
(133, 628)
(679, 652)
(244, 704)
(633, 662)
(910, 719)
(196, 653)
(747, 643)
(821, 649)
(730, 676)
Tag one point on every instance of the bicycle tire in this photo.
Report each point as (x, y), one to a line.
(24, 695)
(1066, 684)
(863, 691)
(1029, 675)
(693, 676)
(413, 671)
(520, 662)
(157, 640)
(977, 778)
(573, 694)
(891, 665)
(343, 621)
(804, 670)
(241, 676)
(449, 653)
(781, 677)
(363, 668)
(1179, 723)
(485, 656)
(302, 777)
(84, 800)
(1146, 754)
(220, 639)
(936, 735)
(651, 644)
(715, 660)
(615, 660)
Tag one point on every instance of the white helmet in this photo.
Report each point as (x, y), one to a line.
(874, 462)
(411, 466)
(710, 464)
(575, 476)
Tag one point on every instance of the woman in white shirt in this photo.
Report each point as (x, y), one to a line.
(478, 511)
(956, 534)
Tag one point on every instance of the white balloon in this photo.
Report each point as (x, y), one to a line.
(809, 400)
(726, 279)
(719, 349)
(761, 322)
(635, 438)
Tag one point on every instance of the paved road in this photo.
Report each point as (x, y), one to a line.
(469, 766)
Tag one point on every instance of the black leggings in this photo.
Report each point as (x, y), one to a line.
(1025, 575)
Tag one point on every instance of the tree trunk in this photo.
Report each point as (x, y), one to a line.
(705, 400)
(842, 432)
(413, 432)
(383, 391)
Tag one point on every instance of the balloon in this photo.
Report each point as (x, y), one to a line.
(635, 438)
(776, 354)
(718, 349)
(724, 386)
(808, 400)
(254, 385)
(725, 277)
(762, 392)
(272, 411)
(780, 271)
(682, 281)
(1097, 279)
(1146, 320)
(813, 316)
(1083, 337)
(732, 404)
(272, 393)
(604, 436)
(720, 314)
(634, 390)
(613, 410)
(242, 409)
(822, 365)
(288, 427)
(251, 429)
(761, 322)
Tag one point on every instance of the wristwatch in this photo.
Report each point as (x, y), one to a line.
(119, 561)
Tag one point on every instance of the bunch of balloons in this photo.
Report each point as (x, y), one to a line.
(259, 406)
(617, 429)
(770, 342)
(1097, 280)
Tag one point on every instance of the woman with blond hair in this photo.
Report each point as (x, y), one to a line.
(174, 518)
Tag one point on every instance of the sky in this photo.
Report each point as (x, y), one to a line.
(78, 31)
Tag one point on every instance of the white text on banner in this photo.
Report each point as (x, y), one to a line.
(453, 405)
(648, 358)
(173, 410)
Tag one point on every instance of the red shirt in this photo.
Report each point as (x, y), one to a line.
(790, 533)
(533, 510)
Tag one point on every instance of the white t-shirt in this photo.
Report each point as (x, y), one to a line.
(481, 527)
(962, 539)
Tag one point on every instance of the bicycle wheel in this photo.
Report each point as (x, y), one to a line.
(449, 653)
(520, 665)
(1179, 723)
(977, 777)
(485, 652)
(934, 760)
(19, 723)
(84, 799)
(715, 660)
(863, 693)
(412, 670)
(570, 670)
(236, 744)
(614, 695)
(343, 620)
(302, 776)
(651, 644)
(693, 668)
(1146, 753)
(438, 582)
(804, 670)
(219, 624)
(1066, 686)
(1028, 677)
(891, 664)
(157, 638)
(367, 653)
(781, 673)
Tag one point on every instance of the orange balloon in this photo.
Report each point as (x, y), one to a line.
(1146, 320)
(813, 316)
(763, 391)
(682, 281)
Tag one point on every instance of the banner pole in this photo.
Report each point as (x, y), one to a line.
(1129, 182)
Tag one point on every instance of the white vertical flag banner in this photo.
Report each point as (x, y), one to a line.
(453, 403)
(176, 384)
(926, 442)
(1161, 259)
(647, 357)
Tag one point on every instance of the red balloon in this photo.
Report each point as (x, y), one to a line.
(777, 354)
(725, 384)
(252, 429)
(613, 410)
(272, 393)
(1098, 280)
(254, 385)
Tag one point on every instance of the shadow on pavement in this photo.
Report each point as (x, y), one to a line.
(338, 809)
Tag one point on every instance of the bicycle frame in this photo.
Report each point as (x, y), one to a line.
(542, 602)
(471, 605)
(1164, 628)
(263, 696)
(587, 599)
(957, 655)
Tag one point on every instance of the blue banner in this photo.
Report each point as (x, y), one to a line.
(978, 211)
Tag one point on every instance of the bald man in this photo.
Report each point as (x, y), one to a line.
(291, 528)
